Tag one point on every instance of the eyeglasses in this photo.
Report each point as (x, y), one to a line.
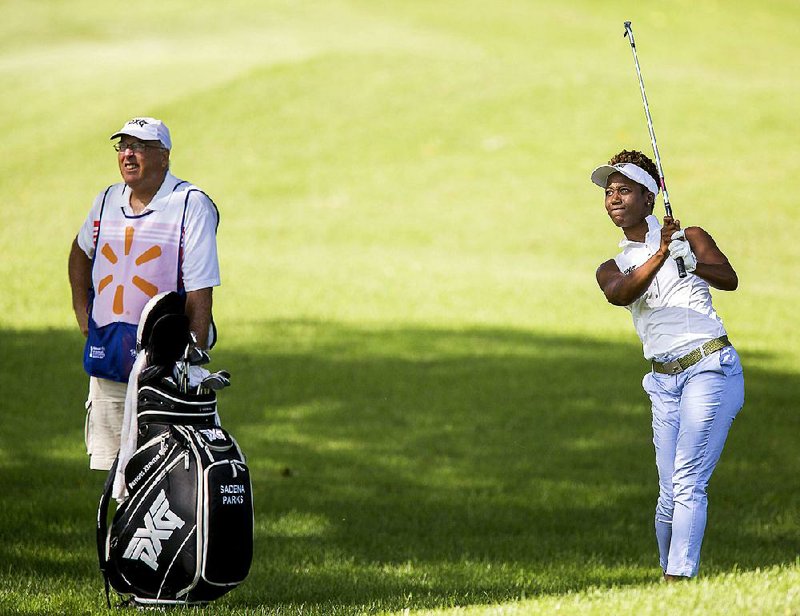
(135, 146)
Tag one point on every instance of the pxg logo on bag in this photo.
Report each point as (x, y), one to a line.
(213, 434)
(159, 523)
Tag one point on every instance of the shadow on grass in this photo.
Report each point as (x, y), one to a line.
(414, 467)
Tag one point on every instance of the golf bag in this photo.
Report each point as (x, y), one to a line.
(183, 530)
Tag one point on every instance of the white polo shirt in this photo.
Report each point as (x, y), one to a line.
(200, 265)
(675, 315)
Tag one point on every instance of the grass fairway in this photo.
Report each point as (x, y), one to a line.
(441, 413)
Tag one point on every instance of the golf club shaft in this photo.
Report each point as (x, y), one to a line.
(667, 205)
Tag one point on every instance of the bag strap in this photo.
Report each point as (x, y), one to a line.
(102, 526)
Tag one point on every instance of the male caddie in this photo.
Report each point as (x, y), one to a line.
(148, 234)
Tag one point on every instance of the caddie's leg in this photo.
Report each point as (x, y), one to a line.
(105, 408)
(666, 410)
(713, 393)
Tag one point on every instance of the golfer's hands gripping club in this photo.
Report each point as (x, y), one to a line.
(679, 249)
(682, 266)
(669, 230)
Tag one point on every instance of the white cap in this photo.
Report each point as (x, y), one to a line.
(146, 129)
(629, 170)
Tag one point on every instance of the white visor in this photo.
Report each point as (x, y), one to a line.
(629, 170)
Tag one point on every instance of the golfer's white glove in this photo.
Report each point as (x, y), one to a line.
(679, 248)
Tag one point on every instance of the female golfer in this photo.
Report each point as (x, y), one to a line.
(696, 384)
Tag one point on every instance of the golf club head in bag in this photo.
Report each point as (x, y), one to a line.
(163, 331)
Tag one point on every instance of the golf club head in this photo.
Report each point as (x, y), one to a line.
(168, 303)
(217, 380)
(168, 339)
(198, 357)
(629, 33)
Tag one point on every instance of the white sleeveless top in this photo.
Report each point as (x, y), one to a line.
(675, 315)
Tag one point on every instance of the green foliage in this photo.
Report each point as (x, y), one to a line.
(441, 412)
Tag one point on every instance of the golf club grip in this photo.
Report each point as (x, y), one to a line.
(681, 267)
(668, 211)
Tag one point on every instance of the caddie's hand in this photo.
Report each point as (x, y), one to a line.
(668, 229)
(83, 322)
(679, 248)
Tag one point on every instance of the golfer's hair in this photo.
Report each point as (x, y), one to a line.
(638, 159)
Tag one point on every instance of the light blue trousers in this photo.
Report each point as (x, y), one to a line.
(692, 413)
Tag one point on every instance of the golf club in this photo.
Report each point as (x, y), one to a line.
(667, 206)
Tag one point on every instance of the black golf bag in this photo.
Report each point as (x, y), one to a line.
(183, 533)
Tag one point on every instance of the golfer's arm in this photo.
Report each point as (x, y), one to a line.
(624, 289)
(198, 309)
(79, 269)
(712, 265)
(719, 275)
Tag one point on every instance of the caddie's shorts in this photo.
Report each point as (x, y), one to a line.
(104, 410)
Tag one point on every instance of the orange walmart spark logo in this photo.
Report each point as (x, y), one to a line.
(148, 288)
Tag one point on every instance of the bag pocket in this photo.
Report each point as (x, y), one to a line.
(153, 546)
(227, 523)
(147, 461)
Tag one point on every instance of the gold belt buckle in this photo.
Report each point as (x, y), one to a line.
(670, 367)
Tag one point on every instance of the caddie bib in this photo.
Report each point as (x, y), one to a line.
(136, 257)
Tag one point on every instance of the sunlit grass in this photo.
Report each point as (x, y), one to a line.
(441, 413)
